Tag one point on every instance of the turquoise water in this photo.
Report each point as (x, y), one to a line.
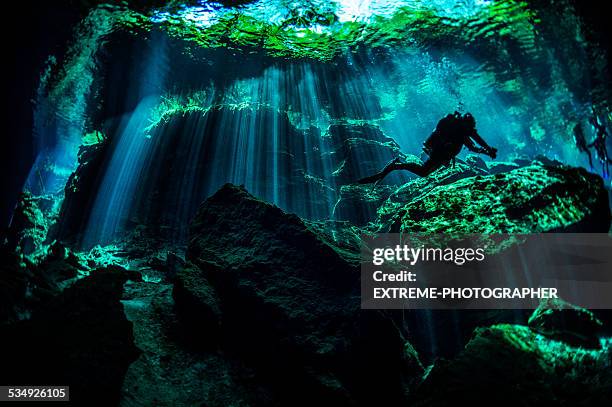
(195, 96)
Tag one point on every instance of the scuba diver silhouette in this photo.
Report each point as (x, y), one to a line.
(601, 151)
(581, 143)
(452, 133)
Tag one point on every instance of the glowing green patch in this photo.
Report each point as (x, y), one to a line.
(324, 30)
(527, 200)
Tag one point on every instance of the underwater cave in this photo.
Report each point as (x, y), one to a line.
(185, 228)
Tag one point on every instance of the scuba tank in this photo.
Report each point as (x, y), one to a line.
(439, 138)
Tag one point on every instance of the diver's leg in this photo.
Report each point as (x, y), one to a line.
(372, 179)
(423, 170)
(379, 176)
(391, 166)
(415, 168)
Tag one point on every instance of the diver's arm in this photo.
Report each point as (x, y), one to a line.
(479, 140)
(473, 148)
(484, 149)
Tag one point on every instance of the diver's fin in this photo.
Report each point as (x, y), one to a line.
(376, 178)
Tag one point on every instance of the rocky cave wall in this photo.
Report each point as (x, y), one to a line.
(221, 294)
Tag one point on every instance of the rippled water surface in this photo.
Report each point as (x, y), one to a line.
(271, 77)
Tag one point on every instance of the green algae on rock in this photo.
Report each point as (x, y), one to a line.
(536, 198)
(358, 203)
(512, 365)
(29, 226)
(566, 322)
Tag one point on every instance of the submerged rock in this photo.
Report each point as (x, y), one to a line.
(172, 369)
(512, 365)
(286, 286)
(359, 150)
(501, 167)
(14, 284)
(80, 337)
(289, 303)
(358, 203)
(559, 320)
(536, 198)
(29, 225)
(197, 304)
(80, 191)
(27, 284)
(476, 161)
(422, 186)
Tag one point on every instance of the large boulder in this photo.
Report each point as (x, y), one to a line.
(81, 189)
(560, 320)
(173, 369)
(29, 225)
(512, 365)
(197, 303)
(80, 338)
(27, 284)
(359, 203)
(289, 303)
(497, 167)
(536, 198)
(13, 286)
